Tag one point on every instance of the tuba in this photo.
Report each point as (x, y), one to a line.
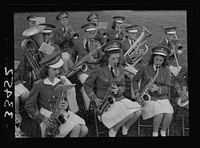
(31, 45)
(134, 54)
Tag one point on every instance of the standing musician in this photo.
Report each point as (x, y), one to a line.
(129, 70)
(181, 84)
(82, 47)
(64, 38)
(108, 77)
(101, 35)
(117, 31)
(44, 95)
(159, 106)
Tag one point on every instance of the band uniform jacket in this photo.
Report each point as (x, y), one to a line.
(112, 35)
(44, 96)
(125, 46)
(102, 78)
(163, 80)
(80, 51)
(65, 43)
(182, 78)
(99, 37)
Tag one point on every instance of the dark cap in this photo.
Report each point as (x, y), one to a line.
(31, 18)
(119, 19)
(52, 60)
(48, 28)
(112, 45)
(89, 26)
(161, 50)
(132, 28)
(170, 30)
(92, 16)
(61, 15)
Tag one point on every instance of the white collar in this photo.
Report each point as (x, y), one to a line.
(48, 82)
(154, 67)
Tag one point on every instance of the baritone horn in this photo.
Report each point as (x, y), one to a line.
(30, 45)
(135, 53)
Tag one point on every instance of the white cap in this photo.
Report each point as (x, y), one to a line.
(58, 64)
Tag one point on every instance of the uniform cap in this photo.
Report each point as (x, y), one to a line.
(119, 19)
(52, 60)
(61, 15)
(170, 30)
(89, 26)
(112, 45)
(132, 29)
(92, 16)
(161, 50)
(48, 28)
(31, 18)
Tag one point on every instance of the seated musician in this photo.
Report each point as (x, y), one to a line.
(122, 111)
(116, 32)
(181, 83)
(129, 70)
(44, 95)
(21, 94)
(159, 107)
(64, 38)
(101, 35)
(82, 47)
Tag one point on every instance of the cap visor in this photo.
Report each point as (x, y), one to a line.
(160, 53)
(57, 65)
(115, 48)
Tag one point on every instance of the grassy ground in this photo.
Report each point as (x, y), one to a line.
(154, 21)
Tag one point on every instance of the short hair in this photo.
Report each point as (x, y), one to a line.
(44, 72)
(151, 60)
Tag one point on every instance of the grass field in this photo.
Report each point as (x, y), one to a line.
(154, 21)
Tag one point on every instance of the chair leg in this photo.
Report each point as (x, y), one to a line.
(183, 125)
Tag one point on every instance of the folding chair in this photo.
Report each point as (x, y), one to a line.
(97, 123)
(183, 124)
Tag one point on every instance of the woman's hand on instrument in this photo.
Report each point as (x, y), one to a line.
(98, 102)
(115, 89)
(47, 121)
(153, 88)
(137, 97)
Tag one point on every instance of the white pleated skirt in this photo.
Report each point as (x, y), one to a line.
(118, 111)
(154, 108)
(71, 120)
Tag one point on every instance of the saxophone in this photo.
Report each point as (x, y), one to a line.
(56, 117)
(145, 97)
(107, 100)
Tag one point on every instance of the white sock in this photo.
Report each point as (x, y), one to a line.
(155, 134)
(163, 133)
(112, 133)
(124, 130)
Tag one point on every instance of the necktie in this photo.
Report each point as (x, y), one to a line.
(87, 46)
(112, 72)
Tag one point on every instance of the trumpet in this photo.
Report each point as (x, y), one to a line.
(134, 54)
(72, 33)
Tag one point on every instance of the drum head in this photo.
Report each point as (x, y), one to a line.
(33, 30)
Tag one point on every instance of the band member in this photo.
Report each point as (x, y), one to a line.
(181, 84)
(122, 112)
(129, 70)
(116, 32)
(32, 20)
(64, 38)
(44, 95)
(21, 94)
(159, 106)
(101, 35)
(82, 47)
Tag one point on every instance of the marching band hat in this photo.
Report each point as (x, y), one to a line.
(89, 26)
(132, 29)
(61, 15)
(112, 45)
(52, 60)
(48, 28)
(31, 18)
(119, 19)
(92, 16)
(170, 30)
(161, 50)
